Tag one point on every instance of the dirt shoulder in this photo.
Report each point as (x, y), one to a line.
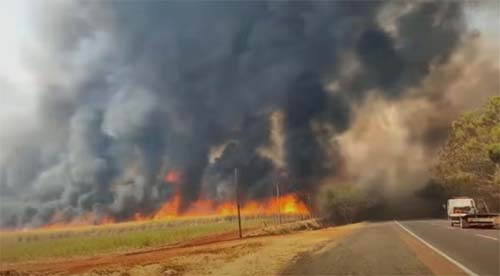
(272, 254)
(219, 255)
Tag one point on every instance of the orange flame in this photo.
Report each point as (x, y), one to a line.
(287, 204)
(173, 176)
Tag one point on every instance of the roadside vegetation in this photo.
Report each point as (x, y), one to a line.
(43, 244)
(469, 162)
(345, 203)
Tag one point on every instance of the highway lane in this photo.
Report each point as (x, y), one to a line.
(386, 248)
(375, 249)
(476, 249)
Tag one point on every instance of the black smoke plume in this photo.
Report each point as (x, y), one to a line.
(130, 91)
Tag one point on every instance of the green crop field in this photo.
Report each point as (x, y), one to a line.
(43, 244)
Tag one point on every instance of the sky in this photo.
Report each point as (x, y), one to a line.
(17, 91)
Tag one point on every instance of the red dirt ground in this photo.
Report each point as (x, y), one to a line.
(130, 259)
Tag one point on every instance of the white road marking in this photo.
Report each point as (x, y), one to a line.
(461, 266)
(440, 224)
(487, 237)
(435, 224)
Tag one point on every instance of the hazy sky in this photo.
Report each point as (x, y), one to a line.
(16, 89)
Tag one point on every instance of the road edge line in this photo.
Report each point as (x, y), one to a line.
(486, 237)
(461, 266)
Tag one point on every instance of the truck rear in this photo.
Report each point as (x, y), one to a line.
(466, 212)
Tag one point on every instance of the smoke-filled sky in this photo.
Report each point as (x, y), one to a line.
(101, 99)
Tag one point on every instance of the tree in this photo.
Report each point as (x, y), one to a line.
(344, 202)
(468, 162)
(494, 154)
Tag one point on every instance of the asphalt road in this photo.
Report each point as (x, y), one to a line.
(477, 249)
(387, 249)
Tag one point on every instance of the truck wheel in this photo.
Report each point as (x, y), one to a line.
(463, 223)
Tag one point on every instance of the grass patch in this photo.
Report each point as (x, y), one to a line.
(36, 245)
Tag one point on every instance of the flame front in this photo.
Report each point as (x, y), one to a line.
(287, 204)
(171, 209)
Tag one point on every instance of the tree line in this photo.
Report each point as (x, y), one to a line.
(469, 162)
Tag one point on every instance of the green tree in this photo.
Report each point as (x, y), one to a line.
(494, 154)
(468, 162)
(343, 203)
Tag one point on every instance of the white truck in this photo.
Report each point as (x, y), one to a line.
(467, 212)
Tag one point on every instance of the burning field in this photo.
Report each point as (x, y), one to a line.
(289, 204)
(89, 235)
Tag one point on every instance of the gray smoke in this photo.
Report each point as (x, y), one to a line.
(130, 91)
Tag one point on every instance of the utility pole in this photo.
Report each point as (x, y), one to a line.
(278, 201)
(237, 200)
(311, 215)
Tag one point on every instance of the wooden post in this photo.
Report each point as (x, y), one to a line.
(278, 201)
(311, 215)
(238, 200)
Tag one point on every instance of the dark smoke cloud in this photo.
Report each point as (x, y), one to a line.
(130, 91)
(425, 36)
